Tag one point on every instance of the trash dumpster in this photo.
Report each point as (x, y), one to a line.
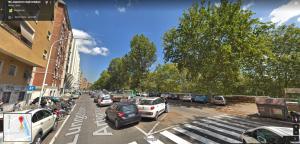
(272, 108)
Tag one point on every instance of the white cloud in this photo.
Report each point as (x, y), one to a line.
(285, 12)
(248, 6)
(96, 12)
(87, 44)
(261, 18)
(298, 19)
(121, 9)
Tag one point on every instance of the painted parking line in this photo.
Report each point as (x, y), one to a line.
(174, 138)
(141, 130)
(133, 142)
(149, 133)
(57, 133)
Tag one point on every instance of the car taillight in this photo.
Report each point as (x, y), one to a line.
(121, 114)
(152, 107)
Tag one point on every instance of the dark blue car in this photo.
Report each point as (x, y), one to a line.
(201, 99)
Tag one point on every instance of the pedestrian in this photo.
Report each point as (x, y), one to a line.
(166, 105)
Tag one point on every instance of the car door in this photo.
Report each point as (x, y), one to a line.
(36, 126)
(162, 105)
(48, 120)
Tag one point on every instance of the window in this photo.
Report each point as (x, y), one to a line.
(21, 96)
(49, 35)
(266, 136)
(45, 55)
(12, 70)
(37, 116)
(6, 97)
(27, 74)
(46, 113)
(1, 65)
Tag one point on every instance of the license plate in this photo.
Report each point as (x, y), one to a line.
(131, 115)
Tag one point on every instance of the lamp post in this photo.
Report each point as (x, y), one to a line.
(48, 61)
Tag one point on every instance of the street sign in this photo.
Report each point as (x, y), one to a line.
(31, 88)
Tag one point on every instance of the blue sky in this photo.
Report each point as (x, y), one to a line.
(112, 25)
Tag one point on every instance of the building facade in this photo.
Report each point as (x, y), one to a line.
(23, 45)
(60, 39)
(72, 77)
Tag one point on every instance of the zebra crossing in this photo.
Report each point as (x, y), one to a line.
(211, 130)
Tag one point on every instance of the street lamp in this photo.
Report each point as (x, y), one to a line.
(48, 61)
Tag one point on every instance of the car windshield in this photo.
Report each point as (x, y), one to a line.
(146, 102)
(128, 108)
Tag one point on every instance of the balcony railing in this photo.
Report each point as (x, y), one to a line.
(16, 34)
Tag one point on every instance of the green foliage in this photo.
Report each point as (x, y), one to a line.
(103, 81)
(139, 59)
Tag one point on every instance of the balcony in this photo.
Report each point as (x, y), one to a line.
(20, 30)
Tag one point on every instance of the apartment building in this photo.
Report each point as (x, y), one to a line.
(72, 78)
(23, 45)
(61, 40)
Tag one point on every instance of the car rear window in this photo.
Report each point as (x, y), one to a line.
(106, 98)
(146, 102)
(218, 98)
(128, 108)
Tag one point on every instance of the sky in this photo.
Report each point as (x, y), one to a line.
(110, 25)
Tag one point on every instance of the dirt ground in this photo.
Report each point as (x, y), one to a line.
(239, 109)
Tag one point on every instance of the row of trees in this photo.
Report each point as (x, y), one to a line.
(214, 50)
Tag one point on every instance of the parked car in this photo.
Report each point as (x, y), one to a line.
(174, 97)
(267, 134)
(152, 107)
(76, 95)
(105, 101)
(219, 100)
(165, 95)
(123, 114)
(186, 97)
(201, 99)
(96, 97)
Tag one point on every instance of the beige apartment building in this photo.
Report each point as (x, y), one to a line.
(23, 45)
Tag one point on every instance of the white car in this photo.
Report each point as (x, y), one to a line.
(43, 121)
(267, 134)
(105, 101)
(219, 100)
(187, 97)
(152, 107)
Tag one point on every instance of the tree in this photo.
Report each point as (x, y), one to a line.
(119, 76)
(139, 59)
(103, 82)
(211, 43)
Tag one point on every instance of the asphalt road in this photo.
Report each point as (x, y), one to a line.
(185, 123)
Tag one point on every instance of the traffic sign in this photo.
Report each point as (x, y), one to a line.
(31, 88)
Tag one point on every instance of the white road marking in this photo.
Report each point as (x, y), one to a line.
(133, 142)
(141, 130)
(194, 136)
(57, 133)
(152, 140)
(242, 122)
(149, 133)
(218, 129)
(230, 123)
(245, 120)
(174, 138)
(223, 125)
(165, 129)
(216, 135)
(75, 139)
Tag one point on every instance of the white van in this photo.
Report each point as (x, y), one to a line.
(219, 100)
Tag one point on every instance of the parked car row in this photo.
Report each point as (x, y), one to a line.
(218, 100)
(131, 110)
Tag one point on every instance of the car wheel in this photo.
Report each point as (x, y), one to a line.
(156, 116)
(54, 127)
(38, 139)
(117, 124)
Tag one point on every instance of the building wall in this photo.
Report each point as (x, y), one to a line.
(61, 30)
(12, 45)
(14, 51)
(74, 65)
